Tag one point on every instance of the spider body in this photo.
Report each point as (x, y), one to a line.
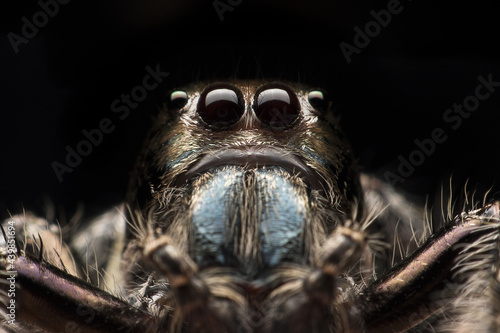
(245, 213)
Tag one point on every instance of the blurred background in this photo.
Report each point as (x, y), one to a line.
(394, 90)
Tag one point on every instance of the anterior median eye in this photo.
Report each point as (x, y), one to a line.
(221, 106)
(178, 99)
(317, 100)
(277, 107)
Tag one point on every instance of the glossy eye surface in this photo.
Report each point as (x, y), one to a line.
(178, 99)
(277, 107)
(317, 100)
(221, 106)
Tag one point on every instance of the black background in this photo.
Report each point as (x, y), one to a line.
(394, 91)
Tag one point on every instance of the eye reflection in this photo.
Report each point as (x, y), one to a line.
(277, 107)
(317, 100)
(221, 106)
(178, 99)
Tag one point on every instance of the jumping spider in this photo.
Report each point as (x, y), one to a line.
(245, 213)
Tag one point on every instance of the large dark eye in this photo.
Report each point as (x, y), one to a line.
(277, 107)
(221, 106)
(177, 99)
(318, 100)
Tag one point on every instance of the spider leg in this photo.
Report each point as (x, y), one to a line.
(46, 289)
(54, 301)
(305, 305)
(428, 280)
(204, 301)
(425, 284)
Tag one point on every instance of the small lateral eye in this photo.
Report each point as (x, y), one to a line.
(317, 100)
(277, 107)
(221, 106)
(177, 99)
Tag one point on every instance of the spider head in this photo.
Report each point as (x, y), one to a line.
(245, 174)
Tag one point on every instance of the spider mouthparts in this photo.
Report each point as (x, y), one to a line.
(253, 157)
